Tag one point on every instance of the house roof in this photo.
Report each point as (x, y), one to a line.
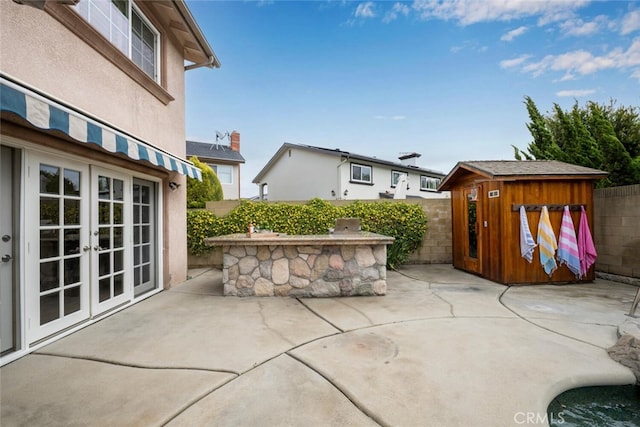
(344, 155)
(176, 16)
(212, 151)
(503, 170)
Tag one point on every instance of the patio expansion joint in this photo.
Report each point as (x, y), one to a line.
(354, 401)
(136, 366)
(543, 327)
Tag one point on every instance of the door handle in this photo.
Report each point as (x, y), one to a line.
(6, 258)
(98, 248)
(86, 248)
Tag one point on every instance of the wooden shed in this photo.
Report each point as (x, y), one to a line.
(485, 199)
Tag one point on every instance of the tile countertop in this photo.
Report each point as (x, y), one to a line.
(242, 239)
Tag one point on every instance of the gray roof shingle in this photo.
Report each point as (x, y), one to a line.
(213, 151)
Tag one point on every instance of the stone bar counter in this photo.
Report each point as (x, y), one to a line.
(331, 265)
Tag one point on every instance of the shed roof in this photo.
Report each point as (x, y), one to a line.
(517, 170)
(212, 151)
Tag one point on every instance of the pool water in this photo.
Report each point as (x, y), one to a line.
(609, 406)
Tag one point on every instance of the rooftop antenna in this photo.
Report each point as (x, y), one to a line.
(219, 136)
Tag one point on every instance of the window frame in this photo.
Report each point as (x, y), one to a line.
(397, 173)
(127, 17)
(361, 181)
(437, 182)
(215, 167)
(86, 32)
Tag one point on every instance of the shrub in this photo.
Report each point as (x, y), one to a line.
(405, 222)
(200, 192)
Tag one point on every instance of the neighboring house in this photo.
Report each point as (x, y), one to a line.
(92, 185)
(303, 172)
(225, 160)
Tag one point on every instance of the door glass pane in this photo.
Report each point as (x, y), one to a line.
(137, 274)
(71, 182)
(49, 244)
(104, 187)
(49, 276)
(49, 307)
(117, 261)
(104, 238)
(49, 179)
(146, 273)
(104, 264)
(118, 241)
(71, 300)
(117, 213)
(145, 214)
(71, 271)
(136, 214)
(104, 213)
(72, 241)
(136, 235)
(104, 289)
(118, 188)
(118, 284)
(472, 233)
(146, 194)
(49, 211)
(71, 211)
(146, 253)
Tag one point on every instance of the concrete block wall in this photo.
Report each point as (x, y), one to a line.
(616, 230)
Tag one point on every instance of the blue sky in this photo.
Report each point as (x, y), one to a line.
(446, 79)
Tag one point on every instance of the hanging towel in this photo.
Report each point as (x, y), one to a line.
(527, 244)
(568, 245)
(586, 249)
(547, 242)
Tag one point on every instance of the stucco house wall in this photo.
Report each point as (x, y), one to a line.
(298, 172)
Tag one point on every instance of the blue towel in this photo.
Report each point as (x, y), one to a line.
(547, 242)
(527, 244)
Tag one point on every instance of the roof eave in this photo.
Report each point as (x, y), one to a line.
(206, 49)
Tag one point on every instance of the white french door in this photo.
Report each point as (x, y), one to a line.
(79, 260)
(57, 251)
(111, 240)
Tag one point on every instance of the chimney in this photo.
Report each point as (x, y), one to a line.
(235, 141)
(409, 159)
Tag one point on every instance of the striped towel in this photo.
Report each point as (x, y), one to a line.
(568, 245)
(586, 248)
(547, 242)
(527, 244)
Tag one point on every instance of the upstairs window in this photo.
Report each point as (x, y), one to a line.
(361, 173)
(224, 173)
(120, 22)
(428, 183)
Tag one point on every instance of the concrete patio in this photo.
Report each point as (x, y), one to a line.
(442, 348)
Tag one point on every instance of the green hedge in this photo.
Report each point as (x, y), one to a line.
(403, 221)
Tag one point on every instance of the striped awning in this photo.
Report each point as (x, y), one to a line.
(45, 113)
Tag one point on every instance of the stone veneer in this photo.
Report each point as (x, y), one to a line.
(308, 268)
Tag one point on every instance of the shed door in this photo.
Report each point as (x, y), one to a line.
(471, 220)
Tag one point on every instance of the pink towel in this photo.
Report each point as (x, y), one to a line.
(586, 249)
(568, 245)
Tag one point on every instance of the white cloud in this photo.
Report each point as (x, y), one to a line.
(582, 62)
(515, 62)
(397, 9)
(513, 34)
(576, 93)
(396, 117)
(468, 12)
(365, 10)
(577, 27)
(631, 22)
